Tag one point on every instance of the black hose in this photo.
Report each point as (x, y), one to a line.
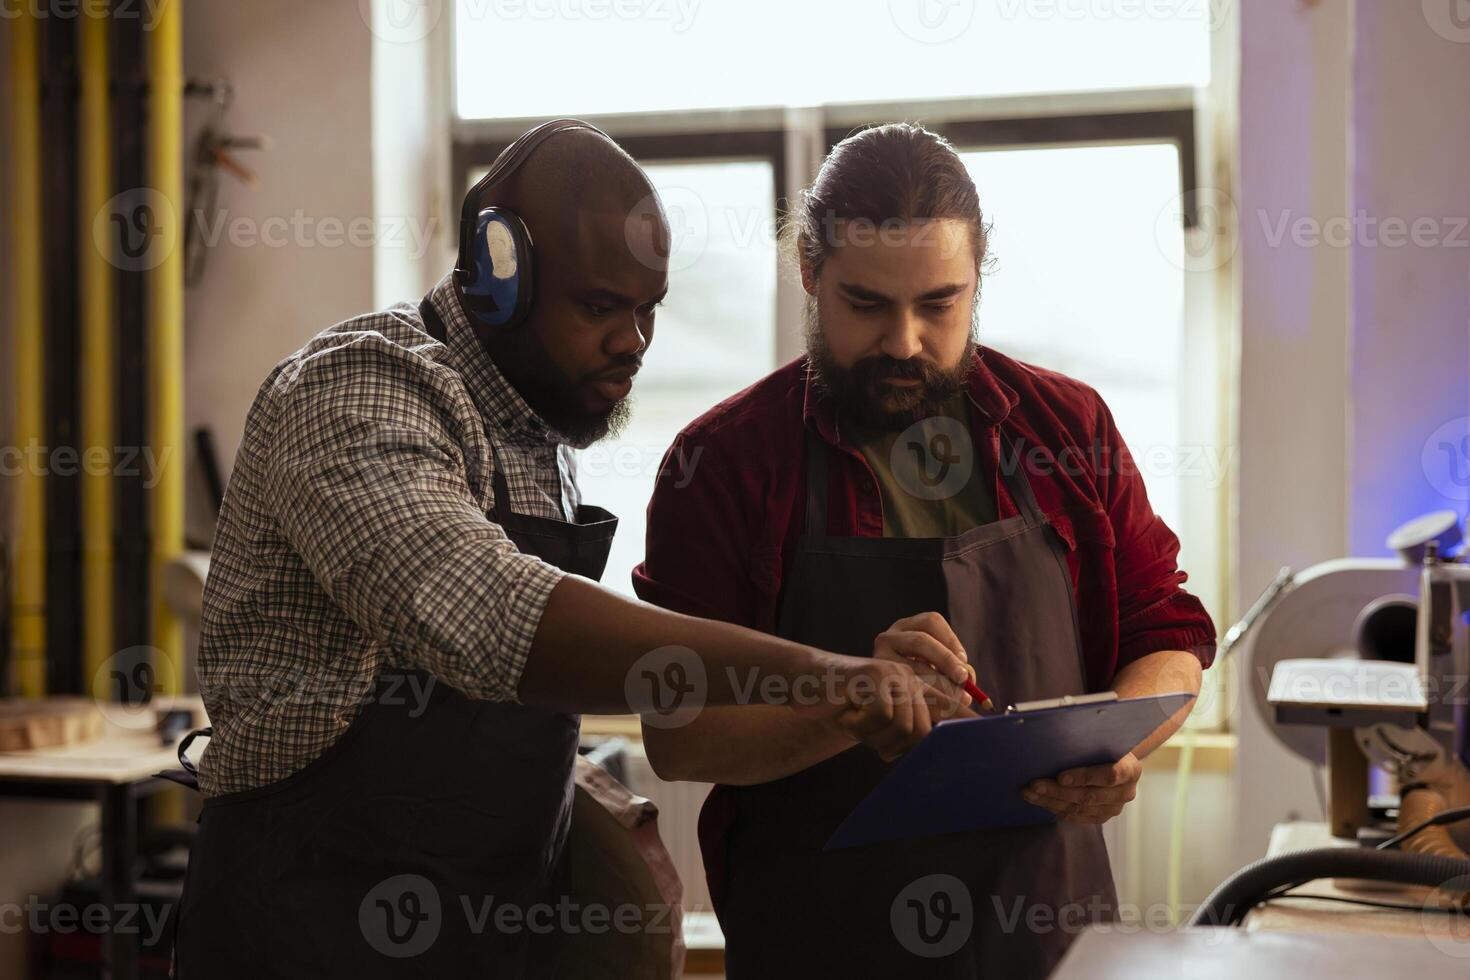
(1237, 895)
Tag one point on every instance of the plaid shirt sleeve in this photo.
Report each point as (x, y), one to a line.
(371, 487)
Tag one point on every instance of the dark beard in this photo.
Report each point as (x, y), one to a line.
(527, 365)
(857, 394)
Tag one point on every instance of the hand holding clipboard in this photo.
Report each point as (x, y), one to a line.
(968, 774)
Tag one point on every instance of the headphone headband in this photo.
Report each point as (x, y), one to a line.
(505, 164)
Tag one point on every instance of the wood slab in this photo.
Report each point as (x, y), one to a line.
(42, 723)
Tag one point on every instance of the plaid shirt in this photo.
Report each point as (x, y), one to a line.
(354, 535)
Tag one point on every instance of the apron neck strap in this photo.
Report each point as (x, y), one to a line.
(499, 488)
(433, 322)
(1013, 474)
(816, 483)
(1010, 466)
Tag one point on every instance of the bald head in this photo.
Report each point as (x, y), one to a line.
(601, 244)
(577, 165)
(585, 201)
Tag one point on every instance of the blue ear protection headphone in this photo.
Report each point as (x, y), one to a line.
(496, 268)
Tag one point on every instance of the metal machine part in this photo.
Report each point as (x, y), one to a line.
(1408, 718)
(1349, 610)
(1314, 616)
(1412, 539)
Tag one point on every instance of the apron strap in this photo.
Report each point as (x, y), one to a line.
(816, 484)
(500, 490)
(1013, 474)
(433, 322)
(434, 325)
(184, 749)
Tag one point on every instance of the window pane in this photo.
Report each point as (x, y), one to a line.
(1087, 282)
(588, 57)
(715, 334)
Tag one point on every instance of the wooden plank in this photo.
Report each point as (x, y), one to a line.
(39, 723)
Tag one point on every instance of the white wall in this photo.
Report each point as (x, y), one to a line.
(1410, 338)
(357, 128)
(415, 205)
(1354, 349)
(1292, 480)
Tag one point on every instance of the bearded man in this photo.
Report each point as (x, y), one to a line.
(898, 470)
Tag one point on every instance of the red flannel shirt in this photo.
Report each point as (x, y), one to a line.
(730, 501)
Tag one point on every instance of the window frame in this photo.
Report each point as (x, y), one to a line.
(795, 140)
(478, 151)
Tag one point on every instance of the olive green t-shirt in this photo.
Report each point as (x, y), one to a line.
(931, 483)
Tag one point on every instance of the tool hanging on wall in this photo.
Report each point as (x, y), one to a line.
(214, 150)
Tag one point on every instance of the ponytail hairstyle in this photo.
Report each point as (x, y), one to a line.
(882, 177)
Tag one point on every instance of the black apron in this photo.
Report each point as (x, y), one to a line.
(394, 853)
(1002, 904)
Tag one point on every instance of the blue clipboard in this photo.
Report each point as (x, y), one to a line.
(967, 774)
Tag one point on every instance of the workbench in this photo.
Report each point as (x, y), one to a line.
(115, 772)
(1296, 937)
(1330, 916)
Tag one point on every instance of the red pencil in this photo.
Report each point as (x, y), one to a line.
(973, 690)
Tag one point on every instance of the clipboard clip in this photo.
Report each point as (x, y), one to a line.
(1065, 701)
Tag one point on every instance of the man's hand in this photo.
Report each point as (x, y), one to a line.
(928, 645)
(1094, 794)
(883, 701)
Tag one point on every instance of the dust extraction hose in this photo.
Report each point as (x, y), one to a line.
(1236, 896)
(1419, 805)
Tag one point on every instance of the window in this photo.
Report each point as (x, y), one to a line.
(1086, 166)
(715, 334)
(1115, 317)
(640, 56)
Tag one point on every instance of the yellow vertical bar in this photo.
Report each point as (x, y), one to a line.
(28, 596)
(166, 330)
(97, 347)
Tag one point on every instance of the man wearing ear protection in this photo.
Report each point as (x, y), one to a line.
(401, 624)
